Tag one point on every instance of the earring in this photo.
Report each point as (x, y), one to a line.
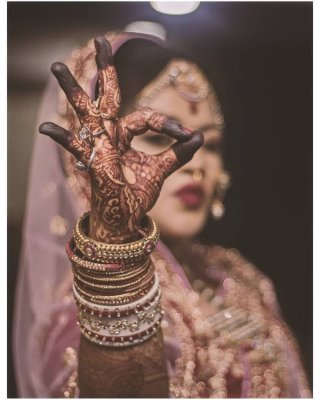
(217, 207)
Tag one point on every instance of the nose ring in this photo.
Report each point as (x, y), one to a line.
(197, 175)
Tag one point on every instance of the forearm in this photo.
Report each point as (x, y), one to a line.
(137, 371)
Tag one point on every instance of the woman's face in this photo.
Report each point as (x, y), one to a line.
(186, 196)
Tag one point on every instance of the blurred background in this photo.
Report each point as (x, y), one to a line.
(259, 56)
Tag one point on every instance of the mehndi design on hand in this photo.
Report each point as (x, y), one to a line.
(125, 183)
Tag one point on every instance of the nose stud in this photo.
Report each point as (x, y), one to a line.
(197, 175)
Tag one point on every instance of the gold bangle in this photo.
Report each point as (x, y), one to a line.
(117, 299)
(114, 287)
(122, 253)
(107, 299)
(92, 267)
(95, 267)
(123, 277)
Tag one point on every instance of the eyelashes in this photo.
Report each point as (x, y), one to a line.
(158, 140)
(212, 146)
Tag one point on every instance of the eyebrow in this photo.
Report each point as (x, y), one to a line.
(207, 127)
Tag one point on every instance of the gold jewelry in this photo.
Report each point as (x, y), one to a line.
(122, 277)
(217, 207)
(114, 326)
(121, 341)
(112, 312)
(97, 268)
(114, 287)
(188, 81)
(115, 252)
(116, 299)
(120, 310)
(197, 175)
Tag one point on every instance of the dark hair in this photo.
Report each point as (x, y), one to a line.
(138, 62)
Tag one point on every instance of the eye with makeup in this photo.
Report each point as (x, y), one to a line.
(212, 145)
(212, 138)
(158, 140)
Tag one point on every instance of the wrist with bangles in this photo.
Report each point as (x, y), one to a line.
(113, 253)
(115, 286)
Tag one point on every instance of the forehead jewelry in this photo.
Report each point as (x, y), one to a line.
(188, 81)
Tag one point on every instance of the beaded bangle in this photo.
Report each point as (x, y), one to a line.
(120, 341)
(119, 278)
(124, 326)
(96, 309)
(122, 287)
(92, 267)
(117, 299)
(123, 253)
(133, 284)
(116, 312)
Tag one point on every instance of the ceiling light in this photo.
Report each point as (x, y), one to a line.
(147, 27)
(175, 7)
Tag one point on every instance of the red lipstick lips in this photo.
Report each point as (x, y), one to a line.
(191, 195)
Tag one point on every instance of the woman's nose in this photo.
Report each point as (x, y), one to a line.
(196, 166)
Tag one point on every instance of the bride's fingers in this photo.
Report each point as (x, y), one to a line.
(109, 93)
(57, 133)
(180, 153)
(145, 119)
(77, 97)
(78, 148)
(184, 151)
(104, 52)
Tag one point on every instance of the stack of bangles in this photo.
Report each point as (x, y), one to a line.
(115, 286)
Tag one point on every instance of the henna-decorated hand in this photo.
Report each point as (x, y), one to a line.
(125, 183)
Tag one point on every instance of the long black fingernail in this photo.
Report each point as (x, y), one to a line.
(56, 133)
(175, 130)
(104, 52)
(185, 151)
(64, 76)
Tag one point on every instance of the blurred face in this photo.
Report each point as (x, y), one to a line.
(186, 196)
